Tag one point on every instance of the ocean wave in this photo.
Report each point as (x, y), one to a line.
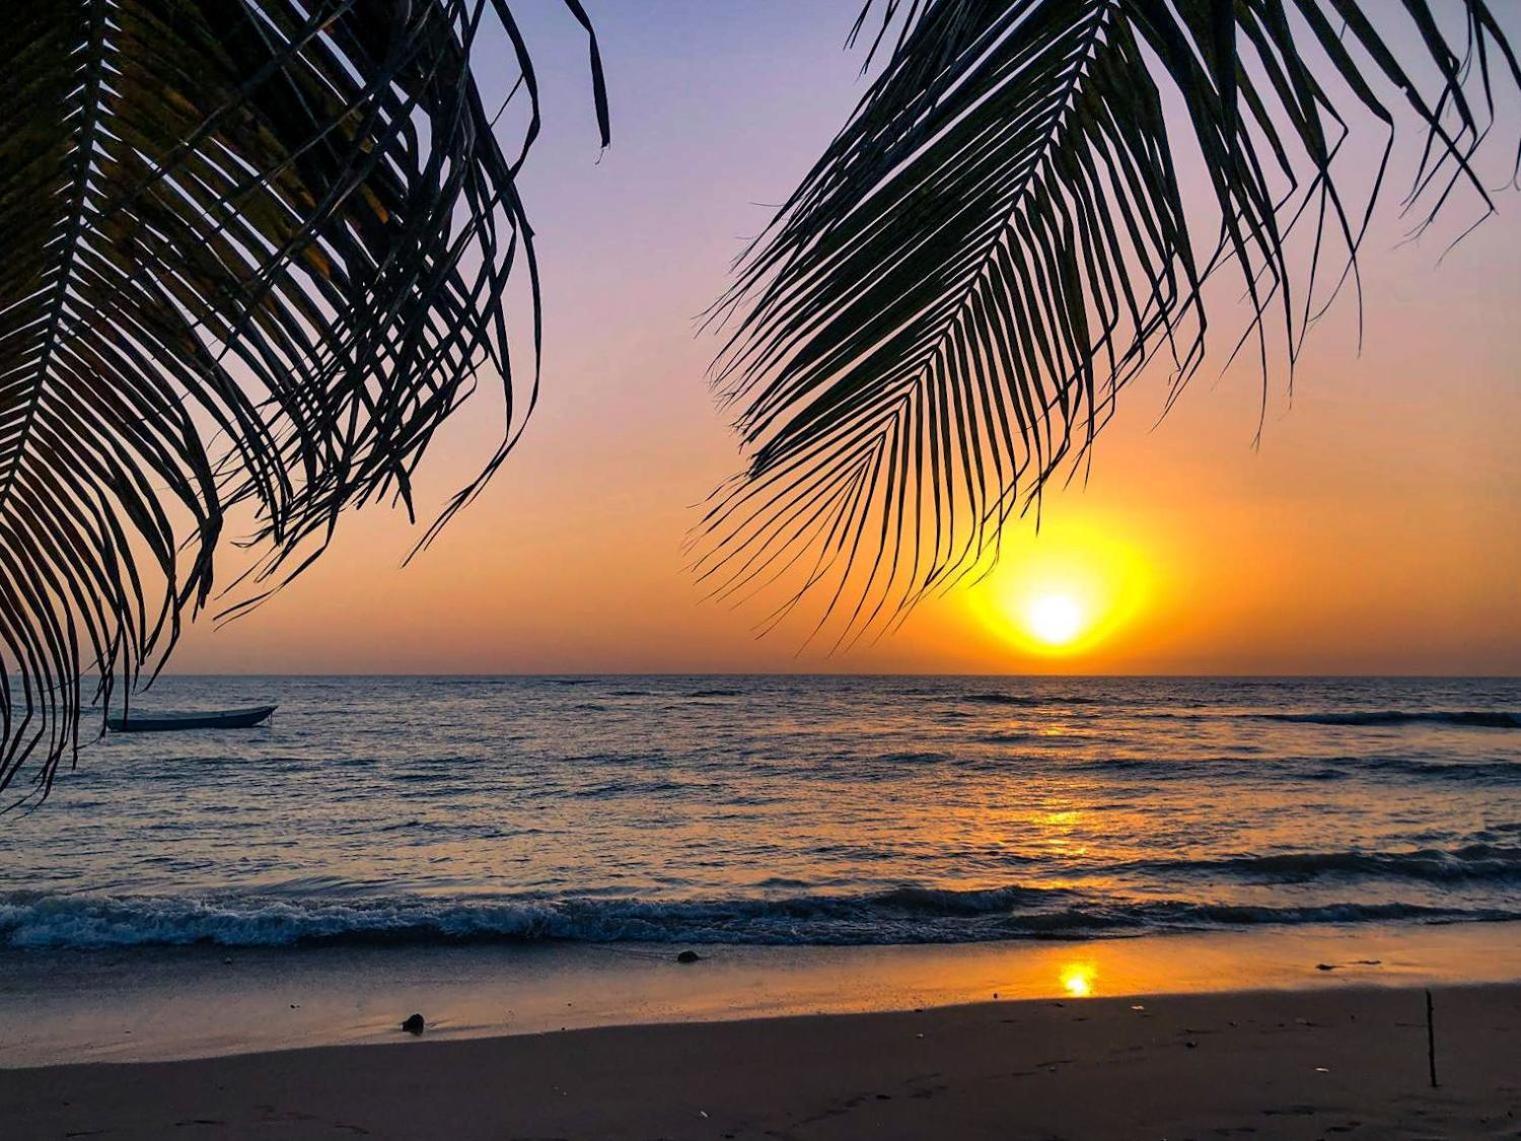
(1484, 772)
(632, 788)
(901, 915)
(1191, 769)
(1020, 701)
(1317, 769)
(915, 758)
(1486, 862)
(1470, 718)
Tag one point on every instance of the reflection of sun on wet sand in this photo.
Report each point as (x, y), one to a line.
(1077, 979)
(1267, 1065)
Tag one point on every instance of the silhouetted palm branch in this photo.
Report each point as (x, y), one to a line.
(254, 252)
(937, 321)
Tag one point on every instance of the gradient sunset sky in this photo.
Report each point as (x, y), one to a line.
(1376, 529)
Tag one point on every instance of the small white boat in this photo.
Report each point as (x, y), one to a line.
(210, 719)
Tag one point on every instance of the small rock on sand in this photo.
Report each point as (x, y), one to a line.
(414, 1024)
(688, 957)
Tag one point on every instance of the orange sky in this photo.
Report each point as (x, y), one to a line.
(1376, 529)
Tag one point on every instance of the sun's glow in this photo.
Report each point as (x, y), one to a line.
(1055, 619)
(1078, 979)
(1064, 592)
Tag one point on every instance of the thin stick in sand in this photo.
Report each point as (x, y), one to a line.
(1430, 1041)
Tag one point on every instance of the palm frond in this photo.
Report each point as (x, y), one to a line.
(254, 252)
(938, 320)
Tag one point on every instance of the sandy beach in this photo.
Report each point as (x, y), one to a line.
(1297, 1064)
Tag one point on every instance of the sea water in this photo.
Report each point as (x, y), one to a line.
(775, 810)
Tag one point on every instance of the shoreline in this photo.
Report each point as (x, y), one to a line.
(168, 1004)
(1267, 1064)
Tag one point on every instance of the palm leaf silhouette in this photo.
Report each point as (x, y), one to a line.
(938, 320)
(254, 253)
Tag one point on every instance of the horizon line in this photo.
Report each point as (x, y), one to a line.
(529, 674)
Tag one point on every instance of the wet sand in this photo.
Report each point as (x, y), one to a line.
(1286, 1064)
(165, 1004)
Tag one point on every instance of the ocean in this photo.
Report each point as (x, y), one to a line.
(775, 810)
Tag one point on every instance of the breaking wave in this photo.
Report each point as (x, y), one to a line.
(904, 915)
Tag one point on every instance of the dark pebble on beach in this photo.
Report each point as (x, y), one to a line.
(414, 1024)
(1325, 966)
(688, 957)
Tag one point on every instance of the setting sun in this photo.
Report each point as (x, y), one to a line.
(1064, 592)
(1055, 619)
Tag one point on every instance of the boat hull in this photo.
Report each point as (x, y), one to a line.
(168, 722)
